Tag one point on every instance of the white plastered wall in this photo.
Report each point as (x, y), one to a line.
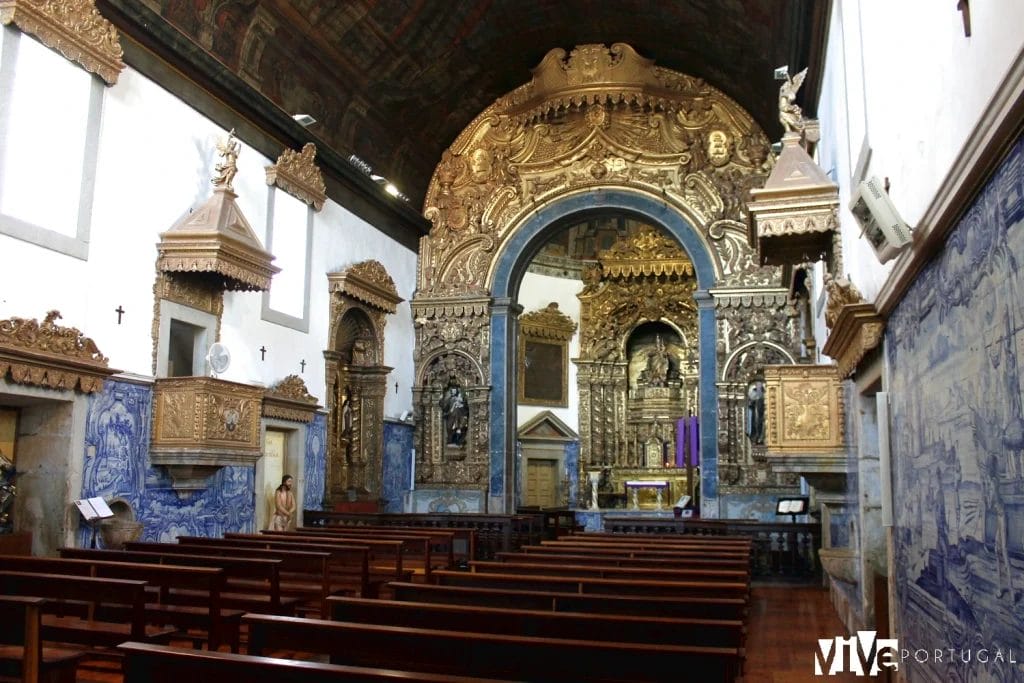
(155, 161)
(902, 79)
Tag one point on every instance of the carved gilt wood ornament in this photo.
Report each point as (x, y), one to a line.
(201, 424)
(50, 355)
(594, 117)
(73, 28)
(544, 356)
(804, 409)
(362, 296)
(633, 386)
(298, 175)
(855, 327)
(289, 399)
(794, 217)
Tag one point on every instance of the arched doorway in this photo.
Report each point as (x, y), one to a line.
(507, 273)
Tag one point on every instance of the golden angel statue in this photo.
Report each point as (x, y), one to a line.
(228, 150)
(790, 114)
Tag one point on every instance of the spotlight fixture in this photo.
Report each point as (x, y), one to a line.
(304, 120)
(782, 73)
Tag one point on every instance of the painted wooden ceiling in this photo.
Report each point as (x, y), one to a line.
(394, 81)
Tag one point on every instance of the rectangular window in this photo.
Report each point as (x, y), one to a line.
(49, 129)
(289, 239)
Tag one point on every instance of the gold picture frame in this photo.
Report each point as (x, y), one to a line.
(543, 358)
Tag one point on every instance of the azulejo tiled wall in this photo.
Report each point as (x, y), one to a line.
(316, 463)
(397, 474)
(955, 344)
(116, 466)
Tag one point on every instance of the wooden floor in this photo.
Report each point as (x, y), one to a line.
(785, 624)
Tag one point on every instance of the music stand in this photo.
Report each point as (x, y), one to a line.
(94, 510)
(792, 506)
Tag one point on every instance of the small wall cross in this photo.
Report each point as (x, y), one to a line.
(303, 364)
(263, 353)
(120, 312)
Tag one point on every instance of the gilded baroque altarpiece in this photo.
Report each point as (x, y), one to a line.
(595, 117)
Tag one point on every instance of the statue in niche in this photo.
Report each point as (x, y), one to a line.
(658, 364)
(755, 412)
(456, 416)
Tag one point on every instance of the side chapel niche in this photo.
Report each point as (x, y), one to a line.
(362, 296)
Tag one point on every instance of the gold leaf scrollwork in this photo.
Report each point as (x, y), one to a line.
(595, 117)
(369, 282)
(841, 292)
(298, 174)
(289, 399)
(547, 323)
(75, 28)
(50, 355)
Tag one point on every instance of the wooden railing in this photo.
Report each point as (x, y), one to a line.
(780, 549)
(493, 533)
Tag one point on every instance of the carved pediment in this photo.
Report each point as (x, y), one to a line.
(49, 355)
(546, 427)
(547, 323)
(74, 28)
(297, 174)
(289, 399)
(368, 282)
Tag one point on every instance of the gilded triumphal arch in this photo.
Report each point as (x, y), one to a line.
(598, 129)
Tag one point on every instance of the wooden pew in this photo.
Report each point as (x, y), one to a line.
(638, 605)
(387, 561)
(253, 575)
(623, 559)
(478, 536)
(543, 623)
(192, 588)
(84, 595)
(219, 626)
(711, 547)
(604, 571)
(23, 657)
(307, 573)
(441, 542)
(540, 660)
(145, 663)
(663, 538)
(640, 551)
(579, 584)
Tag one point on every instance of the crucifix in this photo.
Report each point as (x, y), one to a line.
(263, 353)
(120, 312)
(303, 364)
